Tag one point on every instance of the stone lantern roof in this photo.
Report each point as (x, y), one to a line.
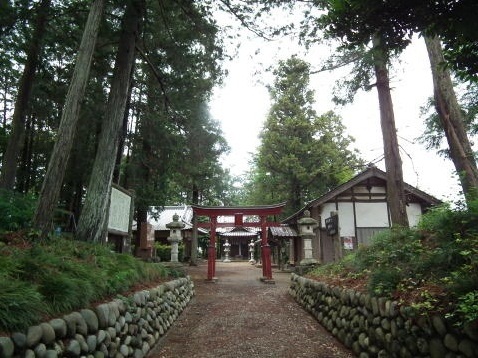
(175, 224)
(306, 224)
(307, 220)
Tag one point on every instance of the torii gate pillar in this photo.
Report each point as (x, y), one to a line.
(265, 254)
(211, 252)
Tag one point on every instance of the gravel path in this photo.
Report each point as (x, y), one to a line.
(239, 316)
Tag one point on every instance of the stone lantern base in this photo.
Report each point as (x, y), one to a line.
(308, 262)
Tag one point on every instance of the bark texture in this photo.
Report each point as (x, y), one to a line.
(51, 187)
(395, 187)
(16, 140)
(451, 119)
(194, 240)
(94, 217)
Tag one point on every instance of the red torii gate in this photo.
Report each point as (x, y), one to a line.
(263, 211)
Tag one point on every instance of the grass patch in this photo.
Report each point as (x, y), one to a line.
(43, 279)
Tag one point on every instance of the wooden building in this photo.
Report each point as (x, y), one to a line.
(361, 211)
(239, 238)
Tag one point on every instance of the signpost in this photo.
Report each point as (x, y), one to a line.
(332, 225)
(120, 218)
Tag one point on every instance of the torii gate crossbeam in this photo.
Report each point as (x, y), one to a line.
(263, 211)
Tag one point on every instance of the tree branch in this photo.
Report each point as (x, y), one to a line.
(156, 74)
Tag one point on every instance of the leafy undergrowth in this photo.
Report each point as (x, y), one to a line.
(43, 279)
(433, 268)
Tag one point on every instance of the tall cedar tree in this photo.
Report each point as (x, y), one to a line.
(52, 183)
(331, 23)
(394, 24)
(16, 138)
(94, 216)
(396, 199)
(174, 80)
(451, 120)
(304, 154)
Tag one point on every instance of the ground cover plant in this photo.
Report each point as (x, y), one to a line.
(41, 279)
(44, 277)
(432, 268)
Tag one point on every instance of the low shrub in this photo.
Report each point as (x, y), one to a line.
(17, 210)
(164, 252)
(433, 267)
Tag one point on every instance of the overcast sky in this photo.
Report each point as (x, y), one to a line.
(242, 103)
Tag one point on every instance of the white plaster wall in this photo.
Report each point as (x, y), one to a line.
(371, 214)
(414, 212)
(346, 219)
(379, 189)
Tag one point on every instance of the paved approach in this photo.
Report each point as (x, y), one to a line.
(239, 316)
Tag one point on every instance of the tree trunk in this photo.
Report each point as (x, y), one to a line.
(393, 164)
(94, 217)
(141, 217)
(451, 119)
(61, 151)
(194, 240)
(124, 133)
(16, 140)
(24, 174)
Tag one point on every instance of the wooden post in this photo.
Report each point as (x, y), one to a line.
(266, 253)
(211, 254)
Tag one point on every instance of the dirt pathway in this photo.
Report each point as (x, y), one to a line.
(239, 316)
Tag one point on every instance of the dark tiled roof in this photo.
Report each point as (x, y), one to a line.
(282, 231)
(238, 231)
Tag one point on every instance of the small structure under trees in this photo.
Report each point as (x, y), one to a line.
(351, 214)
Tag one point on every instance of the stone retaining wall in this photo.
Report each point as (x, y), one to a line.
(127, 327)
(377, 327)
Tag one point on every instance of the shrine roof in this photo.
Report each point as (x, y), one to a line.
(370, 176)
(283, 231)
(238, 231)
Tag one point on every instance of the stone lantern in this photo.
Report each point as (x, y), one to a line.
(175, 236)
(227, 249)
(251, 251)
(306, 231)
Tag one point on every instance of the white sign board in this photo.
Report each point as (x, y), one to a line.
(120, 211)
(348, 242)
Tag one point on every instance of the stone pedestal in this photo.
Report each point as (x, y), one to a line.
(174, 248)
(292, 252)
(308, 258)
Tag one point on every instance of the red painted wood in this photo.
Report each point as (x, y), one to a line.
(206, 225)
(211, 253)
(238, 220)
(266, 251)
(267, 210)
